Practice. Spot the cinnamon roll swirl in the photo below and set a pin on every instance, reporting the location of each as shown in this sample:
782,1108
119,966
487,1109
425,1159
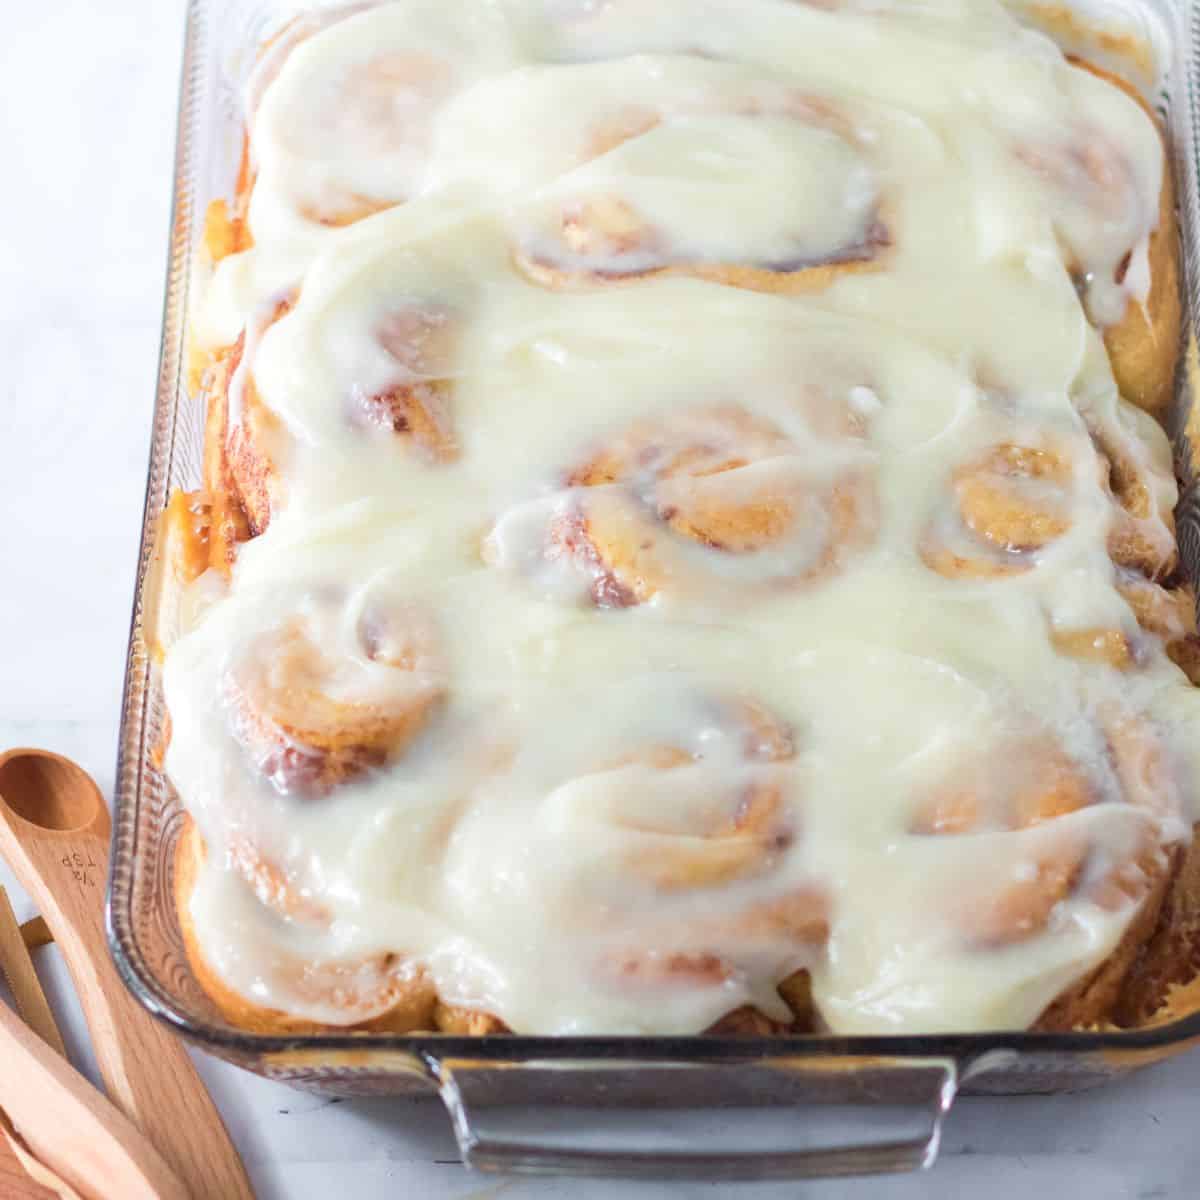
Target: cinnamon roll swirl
706,501
381,993
1038,786
1013,503
702,820
632,213
412,345
315,704
1087,838
344,134
682,845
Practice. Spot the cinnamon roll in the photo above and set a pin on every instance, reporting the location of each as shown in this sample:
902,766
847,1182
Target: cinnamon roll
625,164
1028,787
316,700
703,821
1121,245
1143,344
242,442
1142,546
323,696
709,500
1013,503
1039,785
739,836
639,208
412,345
698,869
226,229
314,703
380,993
343,107
1009,503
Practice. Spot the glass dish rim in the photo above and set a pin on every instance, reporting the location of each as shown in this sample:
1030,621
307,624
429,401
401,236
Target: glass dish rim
133,755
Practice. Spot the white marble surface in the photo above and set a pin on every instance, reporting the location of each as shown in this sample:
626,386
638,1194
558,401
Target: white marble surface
87,96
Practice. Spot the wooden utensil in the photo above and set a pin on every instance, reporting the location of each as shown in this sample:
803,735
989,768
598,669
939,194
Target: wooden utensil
35,932
69,1130
16,966
15,1181
54,832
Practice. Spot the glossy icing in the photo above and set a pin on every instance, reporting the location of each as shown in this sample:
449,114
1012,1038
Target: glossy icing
711,306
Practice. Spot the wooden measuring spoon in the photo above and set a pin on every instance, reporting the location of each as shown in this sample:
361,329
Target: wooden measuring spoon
72,1133
54,832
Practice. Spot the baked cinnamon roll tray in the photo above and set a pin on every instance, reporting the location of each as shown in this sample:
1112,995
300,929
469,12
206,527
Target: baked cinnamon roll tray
663,575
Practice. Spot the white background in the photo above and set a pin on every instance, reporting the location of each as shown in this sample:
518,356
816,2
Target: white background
87,98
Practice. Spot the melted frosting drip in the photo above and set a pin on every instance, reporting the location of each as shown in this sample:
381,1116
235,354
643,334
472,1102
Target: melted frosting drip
630,687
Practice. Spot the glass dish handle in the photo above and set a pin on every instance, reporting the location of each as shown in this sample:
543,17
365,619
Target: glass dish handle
772,1117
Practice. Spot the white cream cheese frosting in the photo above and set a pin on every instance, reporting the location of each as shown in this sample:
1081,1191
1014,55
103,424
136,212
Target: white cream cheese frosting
632,800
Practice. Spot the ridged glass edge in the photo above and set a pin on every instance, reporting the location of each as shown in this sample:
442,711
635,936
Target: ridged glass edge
133,752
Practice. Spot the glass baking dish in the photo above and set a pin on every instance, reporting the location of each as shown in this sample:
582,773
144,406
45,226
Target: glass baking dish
795,1106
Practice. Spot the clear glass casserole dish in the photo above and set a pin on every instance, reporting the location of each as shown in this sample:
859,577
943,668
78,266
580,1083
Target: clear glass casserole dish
868,1103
